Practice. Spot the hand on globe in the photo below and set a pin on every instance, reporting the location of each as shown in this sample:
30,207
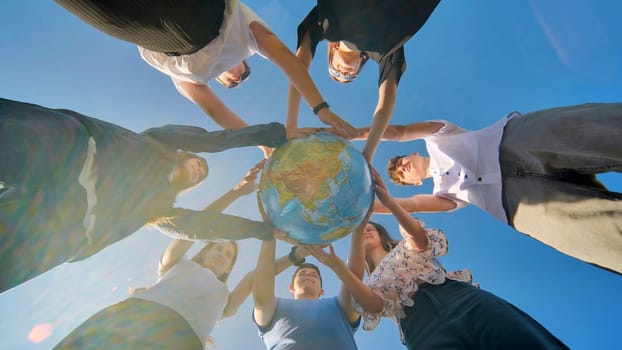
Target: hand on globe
381,188
295,133
317,189
249,183
342,128
283,236
331,260
267,151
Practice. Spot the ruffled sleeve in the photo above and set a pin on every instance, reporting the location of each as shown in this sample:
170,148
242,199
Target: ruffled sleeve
436,238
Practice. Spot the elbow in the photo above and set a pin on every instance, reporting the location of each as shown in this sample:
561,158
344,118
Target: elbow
375,308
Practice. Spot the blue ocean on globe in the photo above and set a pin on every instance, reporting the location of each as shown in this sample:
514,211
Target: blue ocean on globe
317,189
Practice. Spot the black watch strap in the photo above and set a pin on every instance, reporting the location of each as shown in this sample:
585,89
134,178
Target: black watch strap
292,257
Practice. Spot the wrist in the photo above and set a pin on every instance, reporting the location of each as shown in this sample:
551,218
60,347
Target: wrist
292,257
321,106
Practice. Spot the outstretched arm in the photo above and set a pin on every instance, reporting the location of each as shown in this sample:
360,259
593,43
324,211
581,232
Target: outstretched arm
402,133
356,264
178,247
203,96
415,232
421,203
305,56
263,284
247,185
382,114
297,74
245,286
359,291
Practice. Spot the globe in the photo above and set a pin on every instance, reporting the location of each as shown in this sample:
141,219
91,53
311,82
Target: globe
316,189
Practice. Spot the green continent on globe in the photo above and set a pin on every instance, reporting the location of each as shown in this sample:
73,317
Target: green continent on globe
304,175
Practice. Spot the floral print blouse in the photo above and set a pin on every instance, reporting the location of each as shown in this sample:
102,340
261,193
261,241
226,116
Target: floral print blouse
396,278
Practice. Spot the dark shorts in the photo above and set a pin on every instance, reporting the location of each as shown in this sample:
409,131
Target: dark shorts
168,26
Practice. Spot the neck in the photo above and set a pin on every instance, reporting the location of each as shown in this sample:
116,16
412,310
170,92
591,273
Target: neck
376,255
306,296
426,163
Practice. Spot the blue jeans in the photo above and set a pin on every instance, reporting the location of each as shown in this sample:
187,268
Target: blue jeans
548,162
456,315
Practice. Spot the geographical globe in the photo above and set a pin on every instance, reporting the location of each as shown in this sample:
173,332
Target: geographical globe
317,188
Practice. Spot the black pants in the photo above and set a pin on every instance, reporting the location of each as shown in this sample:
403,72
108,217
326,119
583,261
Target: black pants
173,27
133,324
457,315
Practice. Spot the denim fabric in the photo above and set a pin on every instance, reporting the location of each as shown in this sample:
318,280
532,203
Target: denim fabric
549,159
457,315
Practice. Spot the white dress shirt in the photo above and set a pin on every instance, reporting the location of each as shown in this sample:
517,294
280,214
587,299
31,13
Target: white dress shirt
465,165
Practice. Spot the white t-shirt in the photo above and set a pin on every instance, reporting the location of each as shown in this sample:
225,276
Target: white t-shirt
465,165
235,43
194,292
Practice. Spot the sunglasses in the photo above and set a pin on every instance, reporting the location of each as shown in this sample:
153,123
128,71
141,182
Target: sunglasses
348,77
343,76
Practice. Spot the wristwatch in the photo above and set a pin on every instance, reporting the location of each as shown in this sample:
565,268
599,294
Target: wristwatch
292,257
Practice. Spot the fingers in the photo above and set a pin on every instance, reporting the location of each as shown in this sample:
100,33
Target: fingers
284,236
267,152
340,126
318,253
257,167
332,250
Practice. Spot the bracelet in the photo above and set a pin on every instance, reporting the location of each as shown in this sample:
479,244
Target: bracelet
320,107
292,257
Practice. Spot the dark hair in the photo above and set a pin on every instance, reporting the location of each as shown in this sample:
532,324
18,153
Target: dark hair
180,158
223,277
331,48
386,241
162,202
392,169
308,266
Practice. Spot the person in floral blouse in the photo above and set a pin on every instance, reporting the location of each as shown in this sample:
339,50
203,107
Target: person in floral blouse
435,309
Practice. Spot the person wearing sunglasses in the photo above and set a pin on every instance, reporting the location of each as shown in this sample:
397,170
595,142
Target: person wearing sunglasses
194,42
357,31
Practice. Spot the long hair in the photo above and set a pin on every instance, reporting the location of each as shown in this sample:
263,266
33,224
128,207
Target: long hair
386,241
223,278
168,195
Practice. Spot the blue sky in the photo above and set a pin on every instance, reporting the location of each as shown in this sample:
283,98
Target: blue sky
472,63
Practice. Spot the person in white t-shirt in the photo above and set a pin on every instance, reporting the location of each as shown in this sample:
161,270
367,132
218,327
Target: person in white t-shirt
535,172
194,42
181,309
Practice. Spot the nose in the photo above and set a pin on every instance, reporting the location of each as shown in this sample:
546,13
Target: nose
345,69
